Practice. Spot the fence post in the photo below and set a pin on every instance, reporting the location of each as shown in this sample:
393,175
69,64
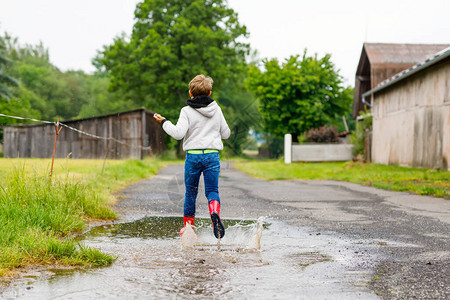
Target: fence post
287,148
367,145
57,131
106,155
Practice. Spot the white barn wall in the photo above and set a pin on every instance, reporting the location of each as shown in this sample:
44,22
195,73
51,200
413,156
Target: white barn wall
411,120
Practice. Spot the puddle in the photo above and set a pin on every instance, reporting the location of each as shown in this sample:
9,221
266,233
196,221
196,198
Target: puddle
293,262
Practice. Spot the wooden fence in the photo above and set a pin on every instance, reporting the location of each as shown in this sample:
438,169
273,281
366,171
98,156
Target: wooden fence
130,134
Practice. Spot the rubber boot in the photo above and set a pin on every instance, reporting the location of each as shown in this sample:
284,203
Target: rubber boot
187,220
214,211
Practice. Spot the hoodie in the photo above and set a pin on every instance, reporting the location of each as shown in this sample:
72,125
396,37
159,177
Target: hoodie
201,124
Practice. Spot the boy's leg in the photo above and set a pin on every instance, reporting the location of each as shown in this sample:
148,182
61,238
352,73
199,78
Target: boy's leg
192,171
211,176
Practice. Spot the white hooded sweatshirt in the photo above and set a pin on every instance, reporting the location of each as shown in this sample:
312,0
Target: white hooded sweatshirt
201,128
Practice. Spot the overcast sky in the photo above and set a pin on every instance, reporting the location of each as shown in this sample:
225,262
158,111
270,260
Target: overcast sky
74,30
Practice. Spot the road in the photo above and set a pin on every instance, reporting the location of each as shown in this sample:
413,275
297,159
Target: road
325,240
411,233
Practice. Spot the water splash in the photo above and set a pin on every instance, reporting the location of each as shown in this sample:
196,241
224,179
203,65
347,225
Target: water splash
188,238
255,241
241,236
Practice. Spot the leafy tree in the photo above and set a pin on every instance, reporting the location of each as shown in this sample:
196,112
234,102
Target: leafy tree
338,122
53,93
44,92
100,100
6,81
299,94
240,108
9,104
42,82
19,105
172,41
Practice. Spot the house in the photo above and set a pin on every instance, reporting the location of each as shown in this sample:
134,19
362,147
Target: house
411,115
380,61
128,134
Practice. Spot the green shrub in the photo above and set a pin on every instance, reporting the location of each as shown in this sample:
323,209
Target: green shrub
358,137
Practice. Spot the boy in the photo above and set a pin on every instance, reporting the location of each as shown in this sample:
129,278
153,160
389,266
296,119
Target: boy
203,126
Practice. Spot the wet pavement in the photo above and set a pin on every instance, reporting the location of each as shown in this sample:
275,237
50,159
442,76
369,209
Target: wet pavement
321,240
153,264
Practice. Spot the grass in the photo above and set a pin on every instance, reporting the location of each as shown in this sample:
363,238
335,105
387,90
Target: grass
39,218
420,181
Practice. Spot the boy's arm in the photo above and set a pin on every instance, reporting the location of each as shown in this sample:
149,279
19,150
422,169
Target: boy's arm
224,129
177,131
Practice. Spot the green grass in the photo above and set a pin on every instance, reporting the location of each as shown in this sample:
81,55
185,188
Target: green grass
39,218
420,181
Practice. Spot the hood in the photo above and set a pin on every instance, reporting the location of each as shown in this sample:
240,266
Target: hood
209,110
204,105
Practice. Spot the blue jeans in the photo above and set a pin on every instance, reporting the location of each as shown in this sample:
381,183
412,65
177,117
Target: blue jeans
195,164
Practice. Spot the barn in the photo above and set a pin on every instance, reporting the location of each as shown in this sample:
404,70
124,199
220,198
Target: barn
380,61
129,134
411,115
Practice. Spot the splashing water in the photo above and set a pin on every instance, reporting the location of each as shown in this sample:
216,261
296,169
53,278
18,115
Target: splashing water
239,236
188,238
255,241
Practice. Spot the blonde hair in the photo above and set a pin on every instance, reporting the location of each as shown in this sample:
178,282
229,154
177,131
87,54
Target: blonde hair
201,85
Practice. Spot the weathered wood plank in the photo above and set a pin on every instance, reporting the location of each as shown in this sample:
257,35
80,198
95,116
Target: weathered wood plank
128,127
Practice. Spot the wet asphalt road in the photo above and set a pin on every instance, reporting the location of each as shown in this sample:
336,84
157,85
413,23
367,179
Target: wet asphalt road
400,245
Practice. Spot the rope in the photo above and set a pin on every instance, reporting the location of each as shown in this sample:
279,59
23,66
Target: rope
77,130
29,119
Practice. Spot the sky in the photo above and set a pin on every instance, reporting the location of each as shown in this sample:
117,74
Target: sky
74,30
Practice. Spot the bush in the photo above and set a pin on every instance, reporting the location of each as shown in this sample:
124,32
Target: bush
358,137
323,134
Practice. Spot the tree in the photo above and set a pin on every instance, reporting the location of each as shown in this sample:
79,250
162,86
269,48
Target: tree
100,100
347,95
172,41
42,83
240,108
45,92
10,105
6,81
43,86
299,94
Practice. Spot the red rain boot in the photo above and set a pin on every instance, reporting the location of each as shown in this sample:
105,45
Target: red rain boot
214,211
187,220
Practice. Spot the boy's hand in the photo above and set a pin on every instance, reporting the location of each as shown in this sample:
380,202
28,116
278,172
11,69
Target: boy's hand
158,118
